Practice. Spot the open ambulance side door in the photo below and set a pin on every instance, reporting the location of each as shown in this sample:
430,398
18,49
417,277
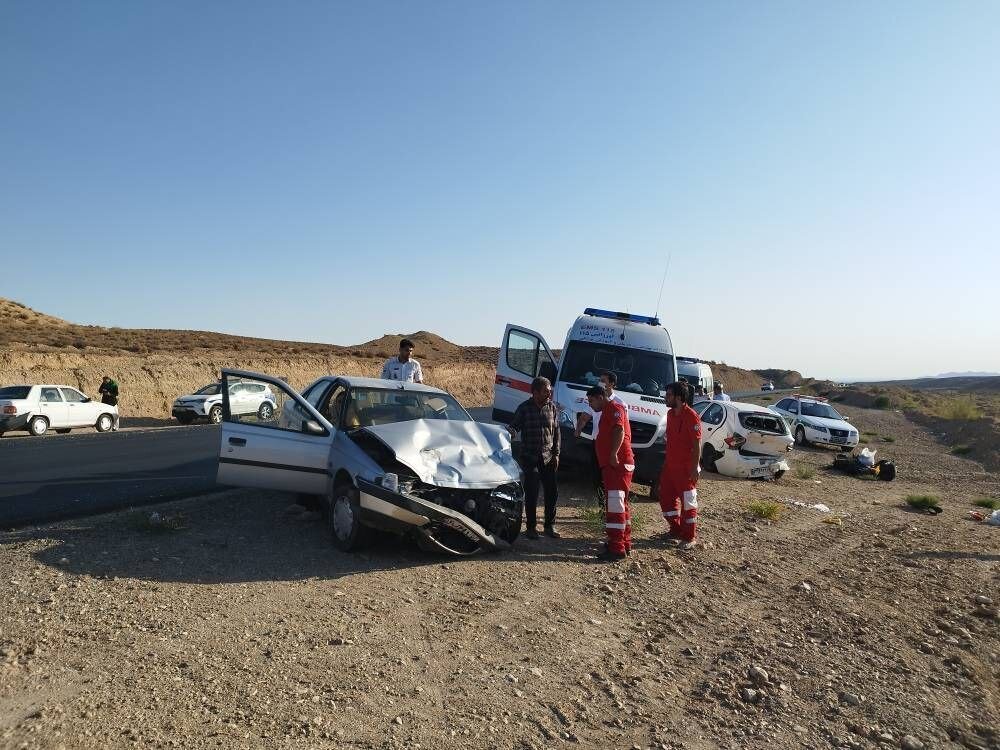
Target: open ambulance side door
524,355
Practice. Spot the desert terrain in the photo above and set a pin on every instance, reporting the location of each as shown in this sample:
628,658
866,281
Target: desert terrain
229,620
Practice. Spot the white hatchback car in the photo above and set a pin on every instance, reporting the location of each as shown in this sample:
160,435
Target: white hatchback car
813,420
39,408
743,440
244,399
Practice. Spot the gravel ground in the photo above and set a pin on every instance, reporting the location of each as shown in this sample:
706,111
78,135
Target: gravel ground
243,628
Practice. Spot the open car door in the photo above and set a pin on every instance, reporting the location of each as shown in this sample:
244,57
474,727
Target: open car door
286,447
524,355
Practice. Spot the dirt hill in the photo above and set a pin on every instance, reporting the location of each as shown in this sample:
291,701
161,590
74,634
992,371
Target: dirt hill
154,366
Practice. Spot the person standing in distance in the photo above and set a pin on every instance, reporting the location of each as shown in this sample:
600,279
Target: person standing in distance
109,396
613,443
403,367
718,395
537,419
678,484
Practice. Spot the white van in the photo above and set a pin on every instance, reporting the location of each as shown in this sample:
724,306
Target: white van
695,372
634,347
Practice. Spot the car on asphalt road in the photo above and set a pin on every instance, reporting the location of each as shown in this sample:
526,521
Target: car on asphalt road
206,402
768,386
743,440
813,421
39,408
379,454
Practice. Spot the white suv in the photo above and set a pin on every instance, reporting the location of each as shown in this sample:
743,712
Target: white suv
38,408
244,398
813,420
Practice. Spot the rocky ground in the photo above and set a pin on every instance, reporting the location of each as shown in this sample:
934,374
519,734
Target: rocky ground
239,626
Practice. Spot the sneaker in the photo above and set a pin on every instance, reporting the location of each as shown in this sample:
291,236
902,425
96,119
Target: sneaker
550,531
531,534
609,556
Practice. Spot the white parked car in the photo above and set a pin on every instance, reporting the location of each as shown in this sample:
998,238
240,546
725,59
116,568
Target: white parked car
814,421
743,440
39,408
244,398
767,385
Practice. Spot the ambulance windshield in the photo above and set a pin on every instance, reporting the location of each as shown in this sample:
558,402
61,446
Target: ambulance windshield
646,373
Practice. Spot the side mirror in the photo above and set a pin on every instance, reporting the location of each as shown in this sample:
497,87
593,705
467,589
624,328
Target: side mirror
86,399
312,427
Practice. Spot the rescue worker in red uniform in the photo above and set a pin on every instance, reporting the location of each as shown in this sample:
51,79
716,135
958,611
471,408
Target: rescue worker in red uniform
679,476
613,444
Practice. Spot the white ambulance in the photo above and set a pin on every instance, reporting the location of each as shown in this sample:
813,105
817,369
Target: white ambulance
695,372
636,348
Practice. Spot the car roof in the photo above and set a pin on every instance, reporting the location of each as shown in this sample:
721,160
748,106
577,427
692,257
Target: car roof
396,385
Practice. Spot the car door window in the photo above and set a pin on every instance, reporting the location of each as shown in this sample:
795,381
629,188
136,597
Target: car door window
275,409
73,396
714,415
50,396
522,353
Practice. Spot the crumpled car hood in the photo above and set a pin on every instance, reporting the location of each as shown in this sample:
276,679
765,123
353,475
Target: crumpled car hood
452,454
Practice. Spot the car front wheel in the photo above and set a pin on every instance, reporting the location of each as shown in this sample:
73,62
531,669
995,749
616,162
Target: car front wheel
215,415
265,412
800,436
38,426
104,423
344,519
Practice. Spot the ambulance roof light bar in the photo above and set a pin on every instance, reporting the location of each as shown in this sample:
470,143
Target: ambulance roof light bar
622,316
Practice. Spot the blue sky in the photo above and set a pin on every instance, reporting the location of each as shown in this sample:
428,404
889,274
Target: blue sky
825,177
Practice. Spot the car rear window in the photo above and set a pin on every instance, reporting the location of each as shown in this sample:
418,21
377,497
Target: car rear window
763,422
15,391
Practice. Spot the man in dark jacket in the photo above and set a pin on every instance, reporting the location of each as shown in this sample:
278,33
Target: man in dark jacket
109,395
537,419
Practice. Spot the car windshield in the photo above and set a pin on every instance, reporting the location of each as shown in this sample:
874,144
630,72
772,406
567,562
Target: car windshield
15,391
370,407
208,390
823,411
638,371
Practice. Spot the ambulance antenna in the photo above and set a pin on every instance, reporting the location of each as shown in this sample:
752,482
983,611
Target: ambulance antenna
662,284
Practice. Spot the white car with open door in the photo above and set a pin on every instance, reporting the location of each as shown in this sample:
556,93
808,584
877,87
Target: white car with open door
814,421
743,440
380,454
636,348
40,408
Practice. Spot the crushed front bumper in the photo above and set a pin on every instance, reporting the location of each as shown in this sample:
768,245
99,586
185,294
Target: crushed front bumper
435,526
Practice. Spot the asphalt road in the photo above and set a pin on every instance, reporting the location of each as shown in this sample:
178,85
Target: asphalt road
62,476
71,475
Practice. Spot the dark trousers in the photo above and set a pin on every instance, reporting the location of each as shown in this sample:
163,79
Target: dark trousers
538,474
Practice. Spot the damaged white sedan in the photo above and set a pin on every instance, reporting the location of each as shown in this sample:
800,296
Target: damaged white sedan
743,440
380,454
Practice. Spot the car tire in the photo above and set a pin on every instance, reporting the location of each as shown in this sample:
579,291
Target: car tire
215,415
38,426
800,436
104,423
779,474
344,519
708,459
63,431
265,413
185,420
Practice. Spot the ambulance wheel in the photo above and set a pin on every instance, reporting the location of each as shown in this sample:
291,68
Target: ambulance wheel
708,459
